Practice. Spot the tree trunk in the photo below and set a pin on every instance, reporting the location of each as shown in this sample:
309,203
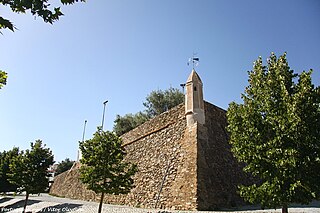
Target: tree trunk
284,208
101,201
25,203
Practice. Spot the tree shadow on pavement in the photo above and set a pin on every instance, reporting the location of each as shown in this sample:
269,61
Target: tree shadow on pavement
61,208
20,204
313,204
5,199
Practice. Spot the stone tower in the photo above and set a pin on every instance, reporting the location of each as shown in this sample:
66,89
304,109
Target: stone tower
194,104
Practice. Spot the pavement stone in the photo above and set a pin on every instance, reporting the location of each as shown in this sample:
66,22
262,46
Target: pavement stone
50,204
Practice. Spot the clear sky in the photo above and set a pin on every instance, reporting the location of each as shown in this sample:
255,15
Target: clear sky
121,50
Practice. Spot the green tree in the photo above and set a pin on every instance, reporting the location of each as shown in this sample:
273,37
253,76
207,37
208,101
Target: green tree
63,166
40,8
159,101
5,160
276,133
29,170
103,169
123,124
3,78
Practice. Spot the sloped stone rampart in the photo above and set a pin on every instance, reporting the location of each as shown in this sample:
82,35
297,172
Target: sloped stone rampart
180,167
154,125
68,184
219,173
165,154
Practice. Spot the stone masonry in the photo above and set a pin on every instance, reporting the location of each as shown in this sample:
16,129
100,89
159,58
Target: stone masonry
185,167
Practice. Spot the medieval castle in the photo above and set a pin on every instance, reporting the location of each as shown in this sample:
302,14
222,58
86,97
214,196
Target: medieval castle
183,157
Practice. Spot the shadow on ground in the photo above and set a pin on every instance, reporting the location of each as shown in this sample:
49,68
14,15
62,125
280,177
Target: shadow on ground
313,204
20,204
65,207
5,199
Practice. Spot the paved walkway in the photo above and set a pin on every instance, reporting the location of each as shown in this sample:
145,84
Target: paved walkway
49,204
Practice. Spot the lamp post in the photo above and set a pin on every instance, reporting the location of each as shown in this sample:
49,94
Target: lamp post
182,86
84,131
104,109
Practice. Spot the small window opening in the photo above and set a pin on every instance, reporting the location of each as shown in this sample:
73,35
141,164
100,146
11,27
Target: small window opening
195,88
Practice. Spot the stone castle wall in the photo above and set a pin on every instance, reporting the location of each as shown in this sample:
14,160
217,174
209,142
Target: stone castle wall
180,167
165,154
219,173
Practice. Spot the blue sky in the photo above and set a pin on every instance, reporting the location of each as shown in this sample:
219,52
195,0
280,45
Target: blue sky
121,50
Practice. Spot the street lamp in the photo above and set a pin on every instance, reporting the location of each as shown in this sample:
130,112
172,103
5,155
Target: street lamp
182,86
104,109
84,131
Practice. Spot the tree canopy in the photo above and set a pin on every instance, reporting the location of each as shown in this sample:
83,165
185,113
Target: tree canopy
128,122
276,133
157,102
29,169
103,169
6,158
63,166
3,78
40,8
